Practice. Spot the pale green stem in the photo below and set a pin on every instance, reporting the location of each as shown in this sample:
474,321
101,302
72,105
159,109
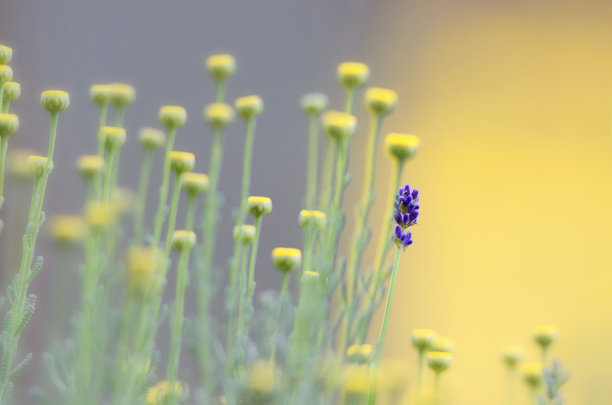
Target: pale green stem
420,367
119,114
220,93
163,190
510,386
242,282
103,108
327,175
176,193
143,185
385,324
3,149
544,355
308,246
349,104
2,93
108,173
437,387
190,212
281,299
533,395
313,162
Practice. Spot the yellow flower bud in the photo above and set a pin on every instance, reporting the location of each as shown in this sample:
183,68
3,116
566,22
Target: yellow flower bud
317,219
151,138
353,74
114,137
183,240
443,344
218,115
37,165
261,376
123,200
356,379
100,93
67,229
244,234
422,339
160,392
90,166
249,106
512,355
143,264
361,354
339,125
9,124
122,94
402,146
17,163
194,183
286,259
532,374
181,162
172,116
314,103
310,275
545,335
258,206
54,101
100,214
6,54
439,361
380,101
6,73
12,91
221,66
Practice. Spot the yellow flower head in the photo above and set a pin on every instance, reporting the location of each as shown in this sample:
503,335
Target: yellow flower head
99,214
360,353
262,376
37,165
339,125
402,146
172,116
545,335
122,94
353,74
67,229
194,183
54,101
314,103
221,66
310,276
443,344
249,106
143,264
244,234
6,54
380,101
17,163
356,379
439,361
160,392
286,259
422,339
123,200
100,93
219,115
6,73
9,124
512,355
114,137
181,162
258,206
151,138
183,240
12,91
90,166
532,374
313,218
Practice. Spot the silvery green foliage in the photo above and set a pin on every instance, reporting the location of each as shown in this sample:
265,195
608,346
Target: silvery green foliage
554,377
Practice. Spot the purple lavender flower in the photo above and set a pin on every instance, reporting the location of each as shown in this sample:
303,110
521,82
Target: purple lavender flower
401,238
406,212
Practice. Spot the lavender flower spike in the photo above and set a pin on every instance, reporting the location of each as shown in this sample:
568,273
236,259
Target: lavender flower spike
406,212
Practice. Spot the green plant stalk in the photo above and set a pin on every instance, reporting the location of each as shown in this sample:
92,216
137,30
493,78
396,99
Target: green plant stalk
163,190
182,278
119,115
281,299
176,193
143,186
16,322
437,393
313,162
420,367
103,108
2,102
190,212
220,93
308,246
544,355
3,149
108,173
510,386
242,289
533,396
349,104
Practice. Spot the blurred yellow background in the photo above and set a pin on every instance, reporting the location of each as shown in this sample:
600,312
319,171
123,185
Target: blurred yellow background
512,103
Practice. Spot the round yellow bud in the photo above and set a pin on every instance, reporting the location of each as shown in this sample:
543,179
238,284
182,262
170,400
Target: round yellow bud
9,124
262,376
244,234
100,93
151,138
439,361
100,214
122,94
161,392
54,101
360,353
172,116
17,163
258,206
356,379
218,115
314,103
249,106
6,54
183,240
67,229
380,101
353,74
532,374
286,259
123,200
37,165
422,339
316,219
12,91
310,275
339,125
443,344
194,183
6,74
142,265
90,166
545,335
181,162
114,137
402,146
221,66
512,355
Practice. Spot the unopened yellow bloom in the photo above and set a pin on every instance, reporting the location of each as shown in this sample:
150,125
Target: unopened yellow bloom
443,344
532,374
181,162
12,91
90,166
54,100
512,355
356,379
100,93
422,339
353,74
218,115
439,361
172,116
160,392
244,234
286,259
122,94
143,263
360,353
183,240
544,335
261,376
37,165
221,66
339,125
99,214
6,54
6,73
258,206
114,137
402,146
194,183
9,124
312,218
380,101
151,138
249,106
67,229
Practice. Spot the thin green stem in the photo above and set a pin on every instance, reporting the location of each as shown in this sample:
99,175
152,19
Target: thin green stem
119,114
385,324
327,188
108,173
101,122
349,104
163,190
281,300
143,186
420,367
176,193
190,212
313,162
510,386
437,386
2,93
3,149
220,93
308,246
